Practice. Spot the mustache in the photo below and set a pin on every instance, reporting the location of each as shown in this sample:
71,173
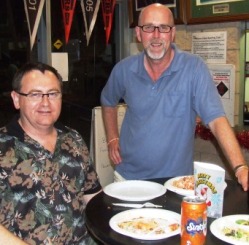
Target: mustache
157,41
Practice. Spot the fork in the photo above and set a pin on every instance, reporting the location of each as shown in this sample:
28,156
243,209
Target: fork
136,205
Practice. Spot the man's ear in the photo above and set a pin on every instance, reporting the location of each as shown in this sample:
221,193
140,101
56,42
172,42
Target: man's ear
138,35
15,97
173,34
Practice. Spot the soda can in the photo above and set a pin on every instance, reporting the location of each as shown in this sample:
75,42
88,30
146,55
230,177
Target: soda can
193,220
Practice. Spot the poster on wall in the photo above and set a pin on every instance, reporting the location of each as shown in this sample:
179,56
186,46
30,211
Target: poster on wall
140,4
224,79
213,11
176,6
211,46
203,2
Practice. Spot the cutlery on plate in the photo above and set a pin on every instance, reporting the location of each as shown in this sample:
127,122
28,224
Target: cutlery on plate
136,205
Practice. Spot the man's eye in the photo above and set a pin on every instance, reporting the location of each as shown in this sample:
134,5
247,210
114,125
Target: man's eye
149,27
53,94
35,95
164,27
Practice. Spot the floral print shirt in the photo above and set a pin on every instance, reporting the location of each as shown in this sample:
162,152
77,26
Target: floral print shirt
41,193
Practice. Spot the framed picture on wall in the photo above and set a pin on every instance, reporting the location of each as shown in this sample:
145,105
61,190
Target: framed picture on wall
135,7
208,11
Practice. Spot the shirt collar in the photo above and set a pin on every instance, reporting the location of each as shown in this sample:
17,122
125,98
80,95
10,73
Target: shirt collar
14,129
174,66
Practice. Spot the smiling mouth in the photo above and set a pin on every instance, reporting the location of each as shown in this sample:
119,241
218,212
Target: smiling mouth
156,45
44,112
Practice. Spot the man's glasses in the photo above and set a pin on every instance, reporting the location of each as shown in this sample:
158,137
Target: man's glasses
161,28
38,96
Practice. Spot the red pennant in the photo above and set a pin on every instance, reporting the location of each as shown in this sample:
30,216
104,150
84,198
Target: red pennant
67,7
33,10
108,9
90,10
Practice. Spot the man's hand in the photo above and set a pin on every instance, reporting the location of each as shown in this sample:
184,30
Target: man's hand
114,151
242,176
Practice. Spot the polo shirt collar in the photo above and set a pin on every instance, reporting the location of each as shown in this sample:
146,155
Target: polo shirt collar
174,66
14,129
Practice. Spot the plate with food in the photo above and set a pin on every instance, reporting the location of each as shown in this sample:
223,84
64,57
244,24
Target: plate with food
233,229
134,190
182,185
146,223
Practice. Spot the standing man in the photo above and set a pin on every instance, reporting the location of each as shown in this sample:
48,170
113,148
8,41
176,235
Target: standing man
164,89
46,175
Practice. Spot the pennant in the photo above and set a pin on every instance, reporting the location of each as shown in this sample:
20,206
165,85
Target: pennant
67,7
90,10
108,10
33,10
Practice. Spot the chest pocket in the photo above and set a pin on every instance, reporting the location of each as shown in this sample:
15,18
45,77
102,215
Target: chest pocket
174,104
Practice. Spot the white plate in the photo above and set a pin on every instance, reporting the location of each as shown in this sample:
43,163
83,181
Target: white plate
134,190
230,222
163,217
169,185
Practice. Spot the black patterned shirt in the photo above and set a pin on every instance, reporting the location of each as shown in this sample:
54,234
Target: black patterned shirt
41,193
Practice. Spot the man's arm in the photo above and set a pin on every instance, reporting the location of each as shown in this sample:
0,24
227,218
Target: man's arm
226,138
6,237
110,122
112,134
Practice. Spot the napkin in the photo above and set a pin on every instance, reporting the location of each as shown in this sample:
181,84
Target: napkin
210,184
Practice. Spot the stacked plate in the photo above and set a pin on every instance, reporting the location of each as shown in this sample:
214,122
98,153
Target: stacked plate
135,190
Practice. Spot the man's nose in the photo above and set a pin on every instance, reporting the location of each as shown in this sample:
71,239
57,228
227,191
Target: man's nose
156,31
45,98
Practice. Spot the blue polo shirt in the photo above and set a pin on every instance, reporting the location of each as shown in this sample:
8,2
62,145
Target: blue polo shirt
157,134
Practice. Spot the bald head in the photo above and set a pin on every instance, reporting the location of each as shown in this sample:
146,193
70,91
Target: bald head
155,11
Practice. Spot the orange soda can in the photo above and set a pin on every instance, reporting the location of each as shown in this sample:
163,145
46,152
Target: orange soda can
193,221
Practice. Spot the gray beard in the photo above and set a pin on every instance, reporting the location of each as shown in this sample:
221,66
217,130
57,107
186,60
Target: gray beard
153,56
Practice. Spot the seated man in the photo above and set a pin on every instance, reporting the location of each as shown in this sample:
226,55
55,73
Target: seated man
46,175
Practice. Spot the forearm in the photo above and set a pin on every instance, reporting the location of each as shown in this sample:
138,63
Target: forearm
231,148
227,141
112,133
6,237
110,121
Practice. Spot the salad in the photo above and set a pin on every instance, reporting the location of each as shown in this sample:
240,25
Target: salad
238,233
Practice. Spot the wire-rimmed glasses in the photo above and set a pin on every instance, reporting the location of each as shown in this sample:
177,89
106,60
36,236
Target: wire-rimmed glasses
38,96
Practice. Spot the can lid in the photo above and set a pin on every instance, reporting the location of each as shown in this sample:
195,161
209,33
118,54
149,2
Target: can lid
194,199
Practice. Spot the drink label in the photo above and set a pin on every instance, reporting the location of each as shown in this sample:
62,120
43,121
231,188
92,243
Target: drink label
194,227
